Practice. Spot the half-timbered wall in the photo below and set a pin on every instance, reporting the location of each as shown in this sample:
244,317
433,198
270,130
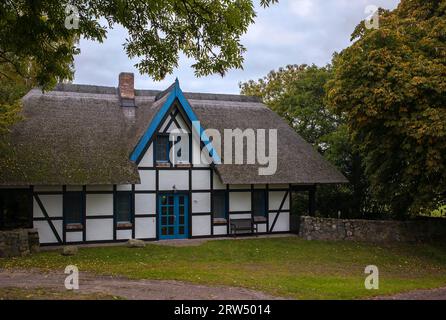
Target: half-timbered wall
199,182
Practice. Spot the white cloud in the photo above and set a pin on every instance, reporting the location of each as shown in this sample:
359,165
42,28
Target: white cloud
301,8
290,32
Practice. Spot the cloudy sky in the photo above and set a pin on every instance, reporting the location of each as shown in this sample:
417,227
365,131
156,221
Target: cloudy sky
290,32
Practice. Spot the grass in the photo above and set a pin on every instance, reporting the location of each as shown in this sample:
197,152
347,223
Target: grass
50,294
288,267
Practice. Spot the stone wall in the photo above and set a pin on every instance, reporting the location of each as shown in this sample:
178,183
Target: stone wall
314,228
18,242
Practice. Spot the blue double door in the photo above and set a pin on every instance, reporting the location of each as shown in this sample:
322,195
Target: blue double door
173,212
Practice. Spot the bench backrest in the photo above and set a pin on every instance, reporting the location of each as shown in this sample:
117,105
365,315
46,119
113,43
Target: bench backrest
243,223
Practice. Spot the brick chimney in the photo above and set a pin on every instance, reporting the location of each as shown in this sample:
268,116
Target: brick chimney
126,90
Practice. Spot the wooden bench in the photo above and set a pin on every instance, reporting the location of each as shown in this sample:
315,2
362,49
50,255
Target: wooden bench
242,225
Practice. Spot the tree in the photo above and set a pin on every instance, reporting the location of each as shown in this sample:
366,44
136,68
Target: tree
38,39
297,93
389,85
45,31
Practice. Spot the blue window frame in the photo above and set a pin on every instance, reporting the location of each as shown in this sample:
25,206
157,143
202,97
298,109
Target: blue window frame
73,203
162,148
219,204
259,208
123,208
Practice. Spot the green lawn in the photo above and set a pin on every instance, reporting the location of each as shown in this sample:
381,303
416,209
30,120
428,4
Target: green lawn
288,267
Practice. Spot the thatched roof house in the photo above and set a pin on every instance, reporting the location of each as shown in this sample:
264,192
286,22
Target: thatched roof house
82,135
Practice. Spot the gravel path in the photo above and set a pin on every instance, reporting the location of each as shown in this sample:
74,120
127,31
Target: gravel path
125,288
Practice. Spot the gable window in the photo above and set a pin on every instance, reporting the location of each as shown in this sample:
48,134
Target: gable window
124,209
73,210
162,148
259,208
219,206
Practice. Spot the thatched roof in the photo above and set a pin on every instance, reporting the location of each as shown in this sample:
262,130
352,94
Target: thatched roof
78,134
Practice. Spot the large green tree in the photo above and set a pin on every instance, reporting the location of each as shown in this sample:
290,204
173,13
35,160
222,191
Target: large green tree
39,39
390,86
207,31
298,94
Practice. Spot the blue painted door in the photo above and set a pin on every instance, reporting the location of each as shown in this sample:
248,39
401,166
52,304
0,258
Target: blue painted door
173,216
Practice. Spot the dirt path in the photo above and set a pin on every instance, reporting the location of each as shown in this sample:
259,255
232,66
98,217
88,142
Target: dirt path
125,288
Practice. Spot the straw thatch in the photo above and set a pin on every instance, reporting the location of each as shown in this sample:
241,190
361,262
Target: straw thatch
78,134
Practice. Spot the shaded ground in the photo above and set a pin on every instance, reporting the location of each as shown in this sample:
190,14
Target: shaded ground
51,285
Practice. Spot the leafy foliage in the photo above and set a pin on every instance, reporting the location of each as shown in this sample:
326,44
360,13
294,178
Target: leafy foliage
207,31
12,88
37,47
390,87
297,93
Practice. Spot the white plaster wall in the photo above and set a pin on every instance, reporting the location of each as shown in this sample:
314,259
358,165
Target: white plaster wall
196,156
148,180
201,202
74,236
261,227
283,222
240,216
165,123
46,235
147,159
99,188
275,199
259,186
220,230
218,185
123,234
201,225
145,228
169,178
145,203
201,180
239,201
172,127
53,205
99,204
99,229
181,122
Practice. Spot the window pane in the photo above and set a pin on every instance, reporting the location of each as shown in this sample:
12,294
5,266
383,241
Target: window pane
162,148
259,203
73,207
219,204
123,207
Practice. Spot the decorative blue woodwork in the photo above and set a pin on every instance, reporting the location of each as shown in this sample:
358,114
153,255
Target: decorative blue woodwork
175,93
173,216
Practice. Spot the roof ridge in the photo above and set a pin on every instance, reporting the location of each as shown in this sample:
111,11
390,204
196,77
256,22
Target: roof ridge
88,88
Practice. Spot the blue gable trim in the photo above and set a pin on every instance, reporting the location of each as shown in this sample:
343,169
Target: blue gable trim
175,93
